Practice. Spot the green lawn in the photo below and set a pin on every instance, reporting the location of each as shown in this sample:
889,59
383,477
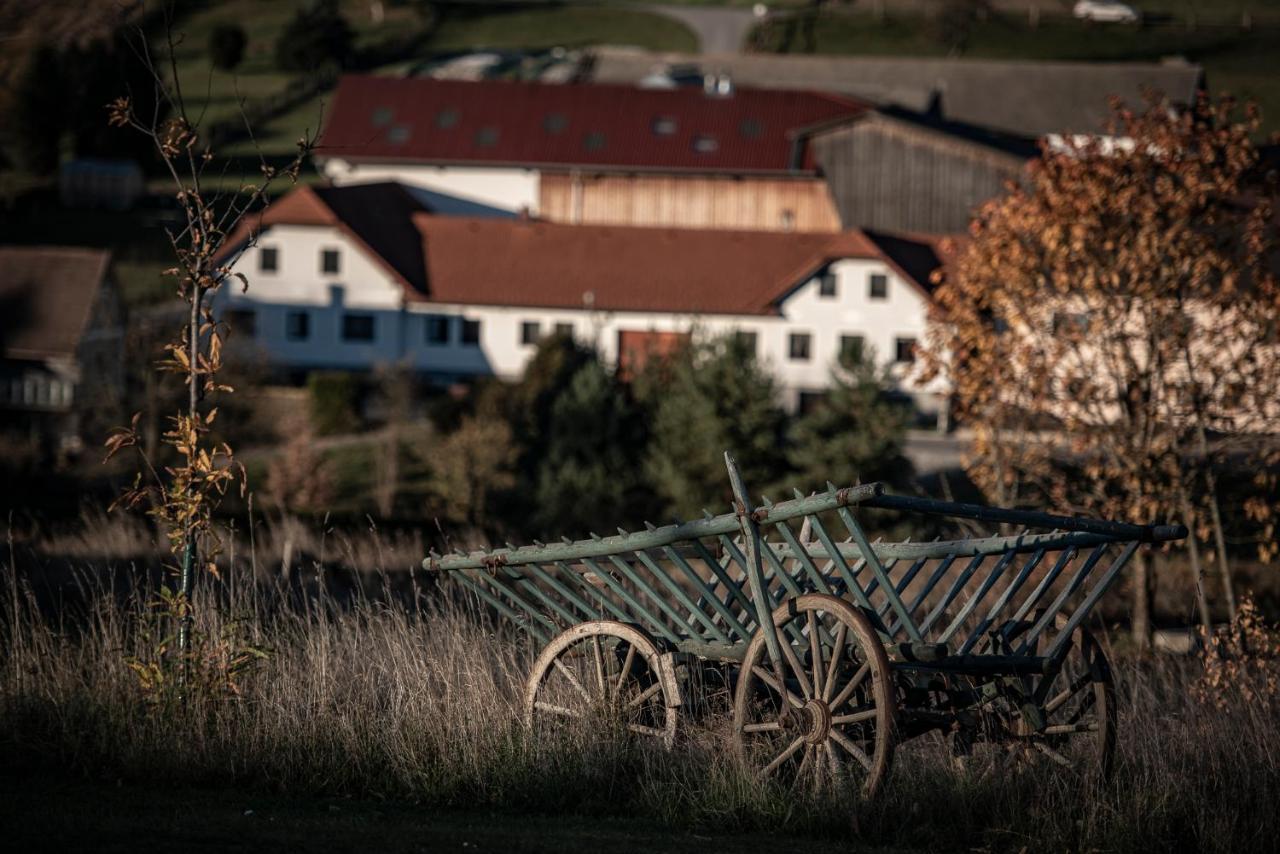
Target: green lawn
567,26
1244,63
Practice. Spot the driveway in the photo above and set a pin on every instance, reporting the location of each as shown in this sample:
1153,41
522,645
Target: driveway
718,30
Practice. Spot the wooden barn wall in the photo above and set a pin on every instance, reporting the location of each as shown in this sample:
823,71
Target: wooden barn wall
887,177
770,204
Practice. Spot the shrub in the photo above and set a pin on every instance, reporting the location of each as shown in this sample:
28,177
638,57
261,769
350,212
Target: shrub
317,35
333,402
226,46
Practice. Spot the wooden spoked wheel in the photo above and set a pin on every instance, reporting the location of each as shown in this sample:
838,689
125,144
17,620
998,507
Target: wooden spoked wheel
603,674
830,724
1079,710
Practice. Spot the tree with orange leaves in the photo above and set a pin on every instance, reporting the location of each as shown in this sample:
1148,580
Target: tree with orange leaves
1110,329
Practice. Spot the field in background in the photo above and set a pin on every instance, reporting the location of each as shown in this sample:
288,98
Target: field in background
1245,63
383,688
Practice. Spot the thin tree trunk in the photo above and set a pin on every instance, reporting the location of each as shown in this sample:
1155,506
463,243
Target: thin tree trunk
1197,569
1142,596
1220,541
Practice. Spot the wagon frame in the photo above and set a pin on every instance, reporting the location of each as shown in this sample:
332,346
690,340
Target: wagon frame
836,649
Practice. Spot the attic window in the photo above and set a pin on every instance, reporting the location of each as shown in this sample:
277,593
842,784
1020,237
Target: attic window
398,134
554,122
705,144
751,128
487,137
664,125
593,141
382,117
446,118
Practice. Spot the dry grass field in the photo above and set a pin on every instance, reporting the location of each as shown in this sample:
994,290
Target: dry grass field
387,712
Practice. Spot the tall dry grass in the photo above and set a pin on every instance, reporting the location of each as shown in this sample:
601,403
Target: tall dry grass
409,692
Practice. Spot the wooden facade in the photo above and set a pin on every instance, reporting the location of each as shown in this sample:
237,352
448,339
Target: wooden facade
887,173
696,201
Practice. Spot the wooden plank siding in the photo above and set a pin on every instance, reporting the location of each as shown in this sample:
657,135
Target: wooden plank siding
700,201
889,174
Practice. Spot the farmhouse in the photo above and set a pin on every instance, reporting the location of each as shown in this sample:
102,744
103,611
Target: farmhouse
61,338
349,277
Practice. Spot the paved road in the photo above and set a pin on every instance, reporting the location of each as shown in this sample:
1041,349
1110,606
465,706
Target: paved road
718,30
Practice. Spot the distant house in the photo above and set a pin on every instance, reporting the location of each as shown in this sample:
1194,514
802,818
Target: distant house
716,157
340,284
61,339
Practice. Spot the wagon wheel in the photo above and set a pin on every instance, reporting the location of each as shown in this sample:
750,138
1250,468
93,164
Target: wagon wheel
603,673
838,697
1079,709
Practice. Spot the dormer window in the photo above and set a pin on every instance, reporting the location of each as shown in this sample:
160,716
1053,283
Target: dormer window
664,126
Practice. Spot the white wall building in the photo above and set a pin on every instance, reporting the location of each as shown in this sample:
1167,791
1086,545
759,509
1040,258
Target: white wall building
350,277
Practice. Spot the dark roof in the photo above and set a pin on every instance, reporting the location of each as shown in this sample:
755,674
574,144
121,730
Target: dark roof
379,215
1023,98
500,122
46,298
916,256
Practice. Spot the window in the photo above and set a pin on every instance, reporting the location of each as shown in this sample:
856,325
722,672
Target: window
470,332
297,326
827,284
357,327
798,346
564,330
904,350
446,118
879,286
330,261
664,125
747,342
530,332
705,143
268,259
242,321
438,328
809,401
851,348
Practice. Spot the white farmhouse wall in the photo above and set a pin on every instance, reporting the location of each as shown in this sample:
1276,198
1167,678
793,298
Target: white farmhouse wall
507,188
401,334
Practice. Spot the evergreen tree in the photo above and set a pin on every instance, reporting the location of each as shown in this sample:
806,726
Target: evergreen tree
226,46
855,434
712,397
586,472
38,116
317,35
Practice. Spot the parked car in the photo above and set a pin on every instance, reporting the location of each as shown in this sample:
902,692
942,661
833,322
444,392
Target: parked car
1106,11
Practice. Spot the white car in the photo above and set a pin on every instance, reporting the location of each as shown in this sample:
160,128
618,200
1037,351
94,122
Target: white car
1106,11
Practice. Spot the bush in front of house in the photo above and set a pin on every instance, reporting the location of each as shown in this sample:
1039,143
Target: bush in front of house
333,402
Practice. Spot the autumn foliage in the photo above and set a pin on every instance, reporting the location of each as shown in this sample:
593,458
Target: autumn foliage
1110,327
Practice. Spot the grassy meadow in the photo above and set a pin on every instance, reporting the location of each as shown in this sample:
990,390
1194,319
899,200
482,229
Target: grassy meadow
356,701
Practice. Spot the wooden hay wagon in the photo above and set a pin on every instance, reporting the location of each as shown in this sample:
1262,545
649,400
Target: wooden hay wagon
836,648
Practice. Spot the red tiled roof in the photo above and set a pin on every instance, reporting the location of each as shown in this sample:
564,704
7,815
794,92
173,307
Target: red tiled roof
622,268
499,122
46,298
